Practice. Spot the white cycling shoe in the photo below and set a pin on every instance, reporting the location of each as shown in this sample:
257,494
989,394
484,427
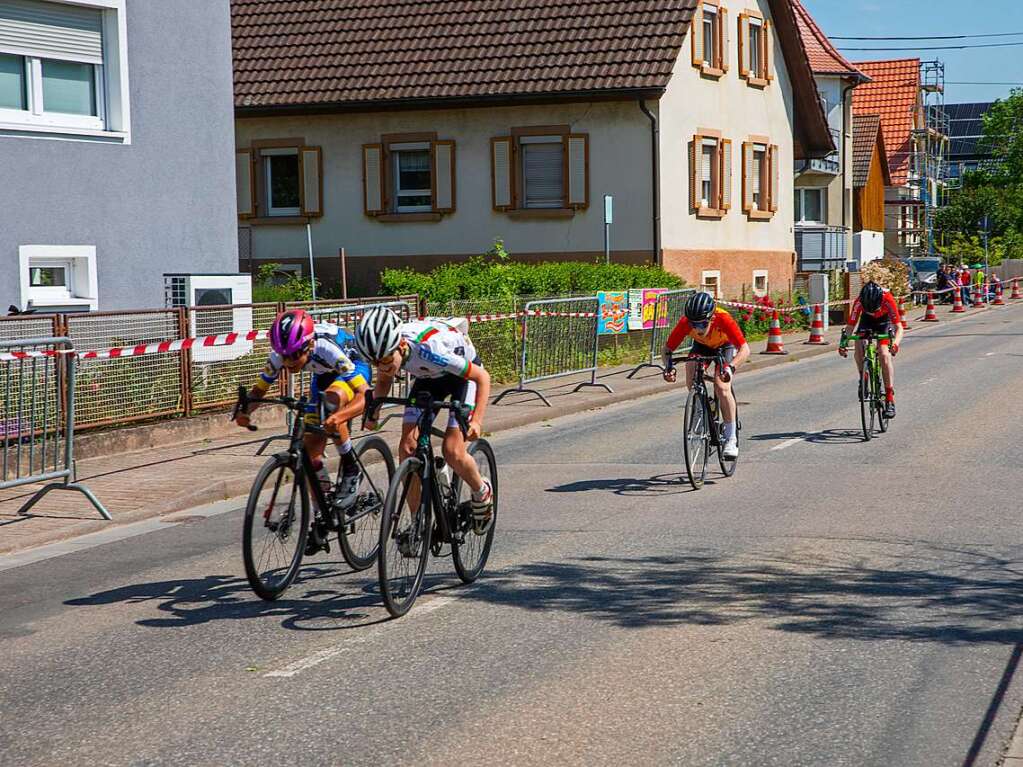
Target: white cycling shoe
347,490
731,450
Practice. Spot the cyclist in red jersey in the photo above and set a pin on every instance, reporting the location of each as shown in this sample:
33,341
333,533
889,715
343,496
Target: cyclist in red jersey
713,330
877,311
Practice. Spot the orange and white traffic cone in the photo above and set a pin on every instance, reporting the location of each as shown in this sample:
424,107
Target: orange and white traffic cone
775,345
931,315
817,328
1015,289
978,301
999,301
957,301
902,313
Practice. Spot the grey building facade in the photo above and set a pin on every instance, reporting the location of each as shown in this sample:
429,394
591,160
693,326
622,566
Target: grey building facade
116,150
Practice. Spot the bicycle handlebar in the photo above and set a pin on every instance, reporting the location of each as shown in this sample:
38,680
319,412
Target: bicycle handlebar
458,409
298,405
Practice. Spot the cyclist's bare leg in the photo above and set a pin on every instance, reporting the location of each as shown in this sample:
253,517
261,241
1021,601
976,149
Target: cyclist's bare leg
887,367
726,400
690,374
459,460
858,354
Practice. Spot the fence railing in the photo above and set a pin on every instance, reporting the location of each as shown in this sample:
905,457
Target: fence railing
559,338
37,418
667,312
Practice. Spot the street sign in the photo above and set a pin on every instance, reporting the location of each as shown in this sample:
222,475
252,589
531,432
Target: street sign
609,201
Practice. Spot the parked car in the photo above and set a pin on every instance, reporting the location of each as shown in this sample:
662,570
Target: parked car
923,272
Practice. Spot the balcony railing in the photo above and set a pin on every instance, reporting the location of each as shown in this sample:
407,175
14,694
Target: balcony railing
821,248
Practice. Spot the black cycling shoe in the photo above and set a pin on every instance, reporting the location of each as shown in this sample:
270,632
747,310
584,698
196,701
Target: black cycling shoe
889,410
317,541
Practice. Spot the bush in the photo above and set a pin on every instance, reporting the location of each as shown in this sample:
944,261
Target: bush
494,275
273,286
887,273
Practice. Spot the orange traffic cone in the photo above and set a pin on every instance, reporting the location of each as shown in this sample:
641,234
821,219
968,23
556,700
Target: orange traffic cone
978,301
1015,289
957,301
902,313
999,301
931,315
817,328
775,345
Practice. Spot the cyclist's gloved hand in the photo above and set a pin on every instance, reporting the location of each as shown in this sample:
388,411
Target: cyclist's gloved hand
669,367
894,348
726,372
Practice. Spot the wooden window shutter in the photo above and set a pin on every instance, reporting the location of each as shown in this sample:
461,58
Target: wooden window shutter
774,190
696,32
723,34
743,45
311,173
443,153
244,183
768,57
501,171
747,177
725,175
373,179
694,176
577,181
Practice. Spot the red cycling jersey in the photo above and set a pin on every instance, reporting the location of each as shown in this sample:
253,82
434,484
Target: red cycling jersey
722,331
888,307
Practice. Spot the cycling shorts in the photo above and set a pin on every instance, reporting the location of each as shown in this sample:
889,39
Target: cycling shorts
879,326
344,385
727,351
441,388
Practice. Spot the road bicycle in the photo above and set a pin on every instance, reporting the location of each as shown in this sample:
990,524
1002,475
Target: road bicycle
427,506
871,390
702,423
277,514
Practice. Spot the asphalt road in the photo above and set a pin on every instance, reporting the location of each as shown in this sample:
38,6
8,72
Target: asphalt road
835,603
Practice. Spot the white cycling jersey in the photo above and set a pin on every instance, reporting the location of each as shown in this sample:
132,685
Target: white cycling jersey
437,349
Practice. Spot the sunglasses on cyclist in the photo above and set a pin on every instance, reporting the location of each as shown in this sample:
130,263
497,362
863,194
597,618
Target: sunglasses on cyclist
700,325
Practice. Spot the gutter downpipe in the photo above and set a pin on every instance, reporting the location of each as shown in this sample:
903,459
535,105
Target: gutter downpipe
655,150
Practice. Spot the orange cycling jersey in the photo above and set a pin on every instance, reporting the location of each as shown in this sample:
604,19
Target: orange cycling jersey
722,331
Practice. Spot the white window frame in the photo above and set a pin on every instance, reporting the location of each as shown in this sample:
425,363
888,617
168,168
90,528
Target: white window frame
82,288
526,140
714,274
757,275
112,121
291,151
715,163
757,192
710,15
801,207
755,64
396,150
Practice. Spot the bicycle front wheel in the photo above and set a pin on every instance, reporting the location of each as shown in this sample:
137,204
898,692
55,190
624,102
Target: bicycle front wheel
866,403
696,437
359,531
405,528
880,400
471,549
276,526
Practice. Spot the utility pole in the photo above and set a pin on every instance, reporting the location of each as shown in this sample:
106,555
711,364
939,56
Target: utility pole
985,224
608,220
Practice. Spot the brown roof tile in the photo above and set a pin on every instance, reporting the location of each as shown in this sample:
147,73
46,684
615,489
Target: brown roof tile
893,95
865,133
824,58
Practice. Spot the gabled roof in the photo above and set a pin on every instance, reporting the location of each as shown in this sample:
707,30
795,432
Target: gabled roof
315,52
824,58
347,55
866,139
893,94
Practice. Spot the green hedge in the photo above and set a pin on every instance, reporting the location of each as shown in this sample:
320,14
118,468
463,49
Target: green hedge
493,275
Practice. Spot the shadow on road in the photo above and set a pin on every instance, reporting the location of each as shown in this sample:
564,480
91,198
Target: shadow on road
661,484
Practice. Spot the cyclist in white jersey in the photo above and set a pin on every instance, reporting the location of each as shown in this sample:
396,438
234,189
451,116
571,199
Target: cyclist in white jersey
443,361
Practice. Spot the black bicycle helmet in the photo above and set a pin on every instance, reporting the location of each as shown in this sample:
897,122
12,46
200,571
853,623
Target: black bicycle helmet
700,307
871,296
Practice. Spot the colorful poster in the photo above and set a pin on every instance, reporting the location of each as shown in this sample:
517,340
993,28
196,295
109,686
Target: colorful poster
651,299
612,313
636,309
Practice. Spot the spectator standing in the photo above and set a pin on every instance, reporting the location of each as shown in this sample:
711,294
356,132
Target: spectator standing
964,283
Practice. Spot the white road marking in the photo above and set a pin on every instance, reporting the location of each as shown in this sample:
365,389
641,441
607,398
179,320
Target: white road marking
308,662
990,354
791,442
928,381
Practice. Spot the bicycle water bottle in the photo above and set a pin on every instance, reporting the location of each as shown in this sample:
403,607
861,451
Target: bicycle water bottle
443,475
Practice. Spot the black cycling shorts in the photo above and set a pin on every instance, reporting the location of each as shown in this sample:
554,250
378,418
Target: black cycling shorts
879,326
442,388
727,351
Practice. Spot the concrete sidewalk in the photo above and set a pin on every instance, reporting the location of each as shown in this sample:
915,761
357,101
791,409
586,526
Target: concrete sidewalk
160,480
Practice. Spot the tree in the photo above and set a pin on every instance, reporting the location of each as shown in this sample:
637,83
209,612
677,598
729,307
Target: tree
1003,138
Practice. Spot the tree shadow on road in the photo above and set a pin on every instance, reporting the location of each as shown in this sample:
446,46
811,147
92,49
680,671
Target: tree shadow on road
317,601
920,594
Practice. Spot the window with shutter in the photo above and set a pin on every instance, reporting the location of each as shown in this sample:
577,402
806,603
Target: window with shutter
411,179
708,155
775,178
373,179
694,186
708,173
696,32
501,172
747,177
723,35
726,175
768,58
444,176
311,165
744,57
542,171
282,182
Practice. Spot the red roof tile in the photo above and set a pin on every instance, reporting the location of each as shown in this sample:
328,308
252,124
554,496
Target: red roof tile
894,95
824,58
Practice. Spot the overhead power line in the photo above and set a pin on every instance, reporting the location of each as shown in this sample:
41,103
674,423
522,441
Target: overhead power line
935,47
934,37
974,82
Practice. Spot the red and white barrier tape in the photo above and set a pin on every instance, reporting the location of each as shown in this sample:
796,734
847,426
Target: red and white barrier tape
783,309
164,347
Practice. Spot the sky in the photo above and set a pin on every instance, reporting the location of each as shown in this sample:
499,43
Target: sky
891,18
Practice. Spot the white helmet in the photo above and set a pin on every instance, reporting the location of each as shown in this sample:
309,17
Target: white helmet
377,334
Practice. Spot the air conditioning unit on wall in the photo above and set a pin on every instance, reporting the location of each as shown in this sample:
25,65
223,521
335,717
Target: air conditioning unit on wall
217,304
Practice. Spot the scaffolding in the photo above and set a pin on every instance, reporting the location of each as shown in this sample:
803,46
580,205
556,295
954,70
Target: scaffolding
928,169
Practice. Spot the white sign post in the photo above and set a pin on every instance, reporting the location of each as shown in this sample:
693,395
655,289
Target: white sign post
608,220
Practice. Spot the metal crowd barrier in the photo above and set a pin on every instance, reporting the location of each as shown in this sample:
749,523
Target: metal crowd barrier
667,312
37,419
559,338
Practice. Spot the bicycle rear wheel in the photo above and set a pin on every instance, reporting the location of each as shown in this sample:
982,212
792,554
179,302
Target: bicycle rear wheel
470,555
276,526
866,402
696,437
404,539
359,531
